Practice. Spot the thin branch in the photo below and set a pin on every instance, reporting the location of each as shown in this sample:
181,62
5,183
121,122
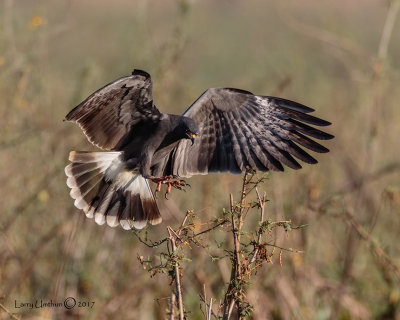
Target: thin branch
261,202
173,302
205,297
209,310
188,213
374,246
236,242
149,244
387,29
229,301
231,295
8,312
211,228
177,275
284,249
231,308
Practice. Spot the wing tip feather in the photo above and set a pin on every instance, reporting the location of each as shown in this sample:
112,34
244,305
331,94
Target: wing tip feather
139,72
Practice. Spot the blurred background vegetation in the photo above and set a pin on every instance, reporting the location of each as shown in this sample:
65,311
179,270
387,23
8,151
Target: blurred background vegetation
340,57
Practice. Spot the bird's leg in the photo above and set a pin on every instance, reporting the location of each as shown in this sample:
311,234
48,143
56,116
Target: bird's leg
170,181
177,184
160,181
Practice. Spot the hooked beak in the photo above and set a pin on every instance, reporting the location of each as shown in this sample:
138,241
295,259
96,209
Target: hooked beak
192,137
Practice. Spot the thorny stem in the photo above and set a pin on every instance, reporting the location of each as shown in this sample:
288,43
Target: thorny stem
236,241
211,228
236,274
243,264
172,239
261,202
150,244
172,313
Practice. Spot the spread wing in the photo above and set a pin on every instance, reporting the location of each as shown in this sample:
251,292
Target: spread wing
239,130
108,115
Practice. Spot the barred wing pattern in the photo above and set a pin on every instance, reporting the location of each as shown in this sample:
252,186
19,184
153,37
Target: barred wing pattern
239,130
108,115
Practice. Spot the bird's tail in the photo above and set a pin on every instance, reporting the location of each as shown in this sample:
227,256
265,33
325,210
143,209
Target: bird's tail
105,190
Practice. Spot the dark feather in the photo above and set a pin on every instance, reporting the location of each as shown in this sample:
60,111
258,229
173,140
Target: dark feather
283,103
109,115
239,130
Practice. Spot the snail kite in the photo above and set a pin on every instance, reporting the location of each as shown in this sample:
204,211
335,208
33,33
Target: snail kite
224,130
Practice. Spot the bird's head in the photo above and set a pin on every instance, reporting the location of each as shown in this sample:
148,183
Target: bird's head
191,129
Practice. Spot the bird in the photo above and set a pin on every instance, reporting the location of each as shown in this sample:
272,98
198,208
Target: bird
224,130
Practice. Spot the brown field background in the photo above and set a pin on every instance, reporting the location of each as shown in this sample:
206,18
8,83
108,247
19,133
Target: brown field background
340,57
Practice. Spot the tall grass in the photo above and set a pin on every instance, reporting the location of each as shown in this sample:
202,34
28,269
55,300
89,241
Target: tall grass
339,57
